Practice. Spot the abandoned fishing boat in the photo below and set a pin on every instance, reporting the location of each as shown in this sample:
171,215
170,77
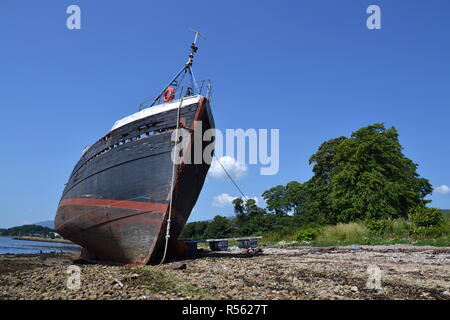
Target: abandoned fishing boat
128,198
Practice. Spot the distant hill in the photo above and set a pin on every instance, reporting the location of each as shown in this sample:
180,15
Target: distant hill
48,223
31,230
445,211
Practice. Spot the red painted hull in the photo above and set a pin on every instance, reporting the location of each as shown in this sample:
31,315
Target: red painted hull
112,230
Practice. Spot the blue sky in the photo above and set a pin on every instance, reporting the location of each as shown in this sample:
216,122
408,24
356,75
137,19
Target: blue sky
309,68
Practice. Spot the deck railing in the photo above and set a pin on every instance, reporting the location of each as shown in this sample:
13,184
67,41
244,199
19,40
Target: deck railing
202,87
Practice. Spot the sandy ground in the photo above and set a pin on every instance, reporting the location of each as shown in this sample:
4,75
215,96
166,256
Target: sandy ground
360,272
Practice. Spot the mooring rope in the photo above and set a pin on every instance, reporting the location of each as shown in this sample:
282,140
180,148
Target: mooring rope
231,179
172,185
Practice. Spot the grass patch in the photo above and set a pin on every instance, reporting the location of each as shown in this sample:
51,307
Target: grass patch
343,233
383,232
284,234
158,281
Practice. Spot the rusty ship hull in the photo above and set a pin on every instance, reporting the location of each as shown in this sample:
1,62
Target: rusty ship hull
116,202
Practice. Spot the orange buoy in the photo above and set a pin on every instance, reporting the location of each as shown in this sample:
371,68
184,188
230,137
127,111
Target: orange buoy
169,94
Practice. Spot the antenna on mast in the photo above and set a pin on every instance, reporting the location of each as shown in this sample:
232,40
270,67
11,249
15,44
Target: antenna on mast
196,34
194,47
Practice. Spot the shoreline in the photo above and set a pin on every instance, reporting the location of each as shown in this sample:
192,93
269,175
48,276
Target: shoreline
43,240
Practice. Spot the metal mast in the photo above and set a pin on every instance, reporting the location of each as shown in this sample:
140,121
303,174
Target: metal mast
187,69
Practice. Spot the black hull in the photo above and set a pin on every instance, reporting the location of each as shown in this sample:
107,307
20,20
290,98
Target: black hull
116,201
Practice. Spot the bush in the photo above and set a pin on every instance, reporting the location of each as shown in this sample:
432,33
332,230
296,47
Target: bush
433,232
399,229
377,227
308,234
424,217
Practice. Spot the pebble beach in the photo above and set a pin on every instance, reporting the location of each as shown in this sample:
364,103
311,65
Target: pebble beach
299,273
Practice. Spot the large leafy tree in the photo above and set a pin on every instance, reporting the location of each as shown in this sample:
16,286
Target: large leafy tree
371,177
365,176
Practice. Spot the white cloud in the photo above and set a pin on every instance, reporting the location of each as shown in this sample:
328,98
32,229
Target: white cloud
236,169
442,189
224,199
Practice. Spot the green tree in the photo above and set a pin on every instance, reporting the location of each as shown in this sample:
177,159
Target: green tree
372,179
296,196
194,230
362,177
219,227
318,189
238,204
277,200
251,208
284,200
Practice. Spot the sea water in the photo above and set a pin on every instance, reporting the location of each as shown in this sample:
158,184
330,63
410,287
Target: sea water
10,245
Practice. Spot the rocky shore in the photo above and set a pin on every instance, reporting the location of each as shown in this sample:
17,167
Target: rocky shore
405,271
